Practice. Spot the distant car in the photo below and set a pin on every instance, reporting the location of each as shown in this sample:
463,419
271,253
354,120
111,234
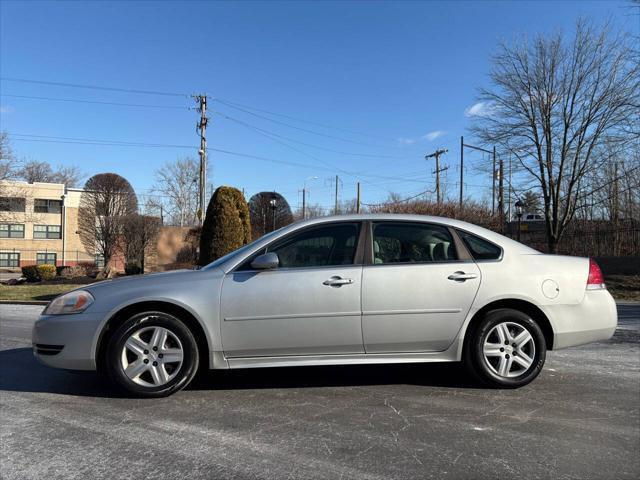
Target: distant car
356,289
532,217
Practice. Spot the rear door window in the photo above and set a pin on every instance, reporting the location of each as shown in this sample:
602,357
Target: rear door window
412,243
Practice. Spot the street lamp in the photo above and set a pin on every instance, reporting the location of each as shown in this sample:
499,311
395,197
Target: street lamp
519,208
274,204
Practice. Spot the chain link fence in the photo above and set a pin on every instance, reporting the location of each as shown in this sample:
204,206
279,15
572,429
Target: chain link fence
587,239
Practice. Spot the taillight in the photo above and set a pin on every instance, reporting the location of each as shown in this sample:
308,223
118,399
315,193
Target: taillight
595,280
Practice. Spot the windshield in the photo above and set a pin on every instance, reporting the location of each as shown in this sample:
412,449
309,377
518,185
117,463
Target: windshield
244,249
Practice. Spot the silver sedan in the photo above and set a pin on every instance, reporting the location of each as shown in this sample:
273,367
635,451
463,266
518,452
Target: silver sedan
363,289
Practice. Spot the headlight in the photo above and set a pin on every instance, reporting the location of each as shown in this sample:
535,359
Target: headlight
72,302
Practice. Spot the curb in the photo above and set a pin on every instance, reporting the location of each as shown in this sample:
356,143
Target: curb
23,302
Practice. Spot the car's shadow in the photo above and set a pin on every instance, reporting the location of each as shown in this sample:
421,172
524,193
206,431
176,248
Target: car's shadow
20,372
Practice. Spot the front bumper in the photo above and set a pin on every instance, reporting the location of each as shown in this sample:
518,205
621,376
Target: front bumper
594,319
77,335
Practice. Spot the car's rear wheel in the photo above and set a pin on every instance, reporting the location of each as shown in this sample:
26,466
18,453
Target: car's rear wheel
506,349
153,354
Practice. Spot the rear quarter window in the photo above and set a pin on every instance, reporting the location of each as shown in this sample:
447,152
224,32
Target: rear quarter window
479,248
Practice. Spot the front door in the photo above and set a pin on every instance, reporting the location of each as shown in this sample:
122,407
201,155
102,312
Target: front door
417,292
308,305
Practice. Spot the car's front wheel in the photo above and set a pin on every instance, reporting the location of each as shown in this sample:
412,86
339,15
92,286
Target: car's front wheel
153,354
506,349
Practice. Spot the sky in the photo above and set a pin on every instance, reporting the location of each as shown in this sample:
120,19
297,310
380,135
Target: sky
298,91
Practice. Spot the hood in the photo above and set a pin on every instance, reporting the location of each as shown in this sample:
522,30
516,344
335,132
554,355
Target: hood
139,280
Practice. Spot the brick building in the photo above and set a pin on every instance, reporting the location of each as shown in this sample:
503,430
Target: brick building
39,224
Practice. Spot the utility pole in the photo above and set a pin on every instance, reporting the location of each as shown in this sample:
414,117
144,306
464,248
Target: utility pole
358,198
461,168
616,209
336,207
493,174
304,202
437,171
201,128
510,190
493,183
501,193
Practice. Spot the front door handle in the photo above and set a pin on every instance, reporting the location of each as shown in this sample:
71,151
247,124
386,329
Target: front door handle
461,276
337,281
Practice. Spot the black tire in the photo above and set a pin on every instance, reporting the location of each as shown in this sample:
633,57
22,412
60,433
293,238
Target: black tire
486,369
183,374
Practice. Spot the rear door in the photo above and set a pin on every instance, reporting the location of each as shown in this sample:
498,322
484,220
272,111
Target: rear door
418,289
309,305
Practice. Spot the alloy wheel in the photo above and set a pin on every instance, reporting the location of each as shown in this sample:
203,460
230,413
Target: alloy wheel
509,349
152,356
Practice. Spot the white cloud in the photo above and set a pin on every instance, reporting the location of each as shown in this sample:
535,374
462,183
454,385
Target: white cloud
431,136
480,109
6,109
406,141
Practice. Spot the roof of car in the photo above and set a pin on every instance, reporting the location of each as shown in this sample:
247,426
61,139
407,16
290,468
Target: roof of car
406,218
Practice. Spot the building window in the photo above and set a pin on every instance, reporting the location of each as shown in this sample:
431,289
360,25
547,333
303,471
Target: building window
11,230
45,258
9,260
46,231
99,260
12,204
43,205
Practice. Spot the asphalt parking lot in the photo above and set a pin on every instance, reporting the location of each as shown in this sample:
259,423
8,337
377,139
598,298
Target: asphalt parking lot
580,419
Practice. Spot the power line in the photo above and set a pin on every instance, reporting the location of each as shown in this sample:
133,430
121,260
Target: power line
398,201
142,105
229,103
299,128
331,127
90,141
94,87
119,143
248,125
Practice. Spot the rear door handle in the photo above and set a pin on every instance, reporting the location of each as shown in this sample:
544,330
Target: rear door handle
461,276
337,281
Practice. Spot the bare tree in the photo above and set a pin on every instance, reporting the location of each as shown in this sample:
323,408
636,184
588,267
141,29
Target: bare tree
346,207
553,102
531,201
8,160
315,210
177,188
139,234
70,175
106,201
36,171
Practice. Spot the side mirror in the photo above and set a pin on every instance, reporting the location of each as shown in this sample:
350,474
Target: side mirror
265,261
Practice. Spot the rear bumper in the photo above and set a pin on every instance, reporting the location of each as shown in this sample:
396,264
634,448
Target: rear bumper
594,319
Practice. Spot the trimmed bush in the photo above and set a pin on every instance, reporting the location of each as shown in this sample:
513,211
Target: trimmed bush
226,226
31,273
71,272
47,272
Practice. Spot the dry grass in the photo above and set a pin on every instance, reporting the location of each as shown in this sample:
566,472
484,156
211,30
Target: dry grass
624,287
34,292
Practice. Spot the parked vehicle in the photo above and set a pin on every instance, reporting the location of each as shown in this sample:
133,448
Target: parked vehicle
532,217
355,289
